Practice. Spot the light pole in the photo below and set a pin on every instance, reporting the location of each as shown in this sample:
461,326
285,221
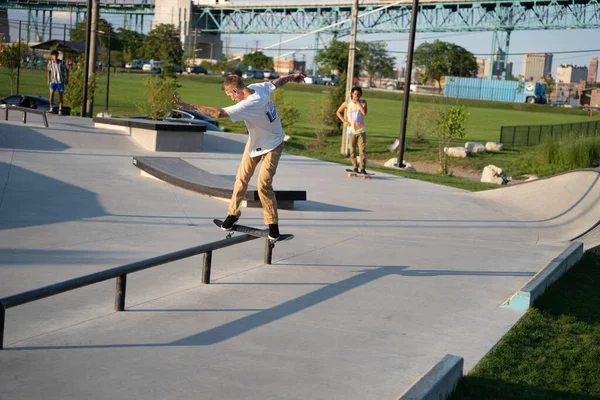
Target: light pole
407,79
108,68
86,61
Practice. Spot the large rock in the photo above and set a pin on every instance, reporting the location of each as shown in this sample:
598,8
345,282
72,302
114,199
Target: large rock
493,174
475,147
395,147
393,163
493,146
459,152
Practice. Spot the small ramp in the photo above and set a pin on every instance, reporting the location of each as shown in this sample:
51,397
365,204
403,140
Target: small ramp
180,173
559,208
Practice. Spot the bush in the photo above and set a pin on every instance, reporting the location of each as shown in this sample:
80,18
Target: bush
74,90
159,92
288,113
571,152
337,96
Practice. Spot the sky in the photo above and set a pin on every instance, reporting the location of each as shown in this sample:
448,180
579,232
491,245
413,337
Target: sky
479,43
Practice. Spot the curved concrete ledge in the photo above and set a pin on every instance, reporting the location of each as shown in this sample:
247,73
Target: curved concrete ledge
439,382
158,135
524,298
183,174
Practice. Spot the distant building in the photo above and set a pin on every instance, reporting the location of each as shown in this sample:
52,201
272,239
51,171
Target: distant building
569,73
536,65
593,71
483,66
286,67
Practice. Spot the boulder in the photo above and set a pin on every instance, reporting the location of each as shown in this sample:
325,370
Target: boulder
395,147
393,163
493,146
475,147
459,152
286,138
493,174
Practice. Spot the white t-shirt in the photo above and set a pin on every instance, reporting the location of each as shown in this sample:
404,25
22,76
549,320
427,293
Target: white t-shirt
261,118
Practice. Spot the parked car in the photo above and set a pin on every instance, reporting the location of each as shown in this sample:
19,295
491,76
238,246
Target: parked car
253,74
314,80
35,102
196,69
270,74
135,64
188,117
330,80
178,69
236,71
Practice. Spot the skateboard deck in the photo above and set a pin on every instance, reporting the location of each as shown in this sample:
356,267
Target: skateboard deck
264,233
358,174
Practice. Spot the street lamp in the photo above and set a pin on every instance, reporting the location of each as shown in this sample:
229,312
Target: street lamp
108,69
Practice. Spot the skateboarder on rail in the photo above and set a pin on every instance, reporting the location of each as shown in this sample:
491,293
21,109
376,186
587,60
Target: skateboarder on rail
265,141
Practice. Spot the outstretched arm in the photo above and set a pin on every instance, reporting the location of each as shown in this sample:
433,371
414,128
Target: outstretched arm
292,77
210,111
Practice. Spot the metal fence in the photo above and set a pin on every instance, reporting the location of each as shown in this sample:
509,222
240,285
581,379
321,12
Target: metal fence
531,135
120,273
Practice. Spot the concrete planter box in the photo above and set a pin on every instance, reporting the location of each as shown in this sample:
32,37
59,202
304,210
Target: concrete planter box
158,135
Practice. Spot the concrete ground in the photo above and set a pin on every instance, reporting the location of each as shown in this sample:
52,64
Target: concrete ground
384,277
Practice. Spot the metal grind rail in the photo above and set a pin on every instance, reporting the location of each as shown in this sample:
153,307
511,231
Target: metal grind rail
120,273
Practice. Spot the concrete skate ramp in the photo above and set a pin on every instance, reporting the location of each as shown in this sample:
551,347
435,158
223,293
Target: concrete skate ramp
560,208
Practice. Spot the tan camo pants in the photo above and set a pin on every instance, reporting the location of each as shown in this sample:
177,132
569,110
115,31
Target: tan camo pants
361,139
268,168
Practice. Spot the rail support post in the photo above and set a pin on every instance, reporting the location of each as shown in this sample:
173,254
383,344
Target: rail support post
268,251
2,318
206,267
120,293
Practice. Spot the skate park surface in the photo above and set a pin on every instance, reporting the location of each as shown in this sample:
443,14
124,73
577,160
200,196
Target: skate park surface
383,279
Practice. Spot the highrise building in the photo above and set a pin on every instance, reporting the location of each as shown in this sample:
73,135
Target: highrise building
593,71
569,73
483,67
536,65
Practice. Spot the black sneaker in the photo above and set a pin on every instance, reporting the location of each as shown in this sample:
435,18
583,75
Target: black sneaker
356,170
362,171
228,223
273,231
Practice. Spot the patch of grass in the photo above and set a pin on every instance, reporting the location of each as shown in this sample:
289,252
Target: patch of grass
553,352
383,120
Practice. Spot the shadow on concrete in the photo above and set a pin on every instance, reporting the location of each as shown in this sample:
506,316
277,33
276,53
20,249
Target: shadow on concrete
31,199
266,316
17,137
316,206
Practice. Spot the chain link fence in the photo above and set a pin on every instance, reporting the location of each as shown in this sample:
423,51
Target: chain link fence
531,135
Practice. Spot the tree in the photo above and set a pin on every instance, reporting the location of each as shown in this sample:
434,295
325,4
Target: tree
159,94
78,34
287,110
258,60
335,56
377,61
450,125
550,85
74,90
10,58
163,44
442,58
130,40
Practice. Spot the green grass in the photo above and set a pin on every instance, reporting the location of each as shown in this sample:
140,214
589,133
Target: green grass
383,120
553,352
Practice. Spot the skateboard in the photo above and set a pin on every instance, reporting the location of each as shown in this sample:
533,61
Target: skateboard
264,233
358,174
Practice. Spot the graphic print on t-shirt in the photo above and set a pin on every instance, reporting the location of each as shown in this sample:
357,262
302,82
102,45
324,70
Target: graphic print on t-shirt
271,111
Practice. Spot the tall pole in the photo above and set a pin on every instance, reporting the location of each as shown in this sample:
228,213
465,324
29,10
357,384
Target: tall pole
409,61
20,58
108,71
350,73
86,60
93,52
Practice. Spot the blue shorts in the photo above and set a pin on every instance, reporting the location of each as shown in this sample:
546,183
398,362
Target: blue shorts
57,86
